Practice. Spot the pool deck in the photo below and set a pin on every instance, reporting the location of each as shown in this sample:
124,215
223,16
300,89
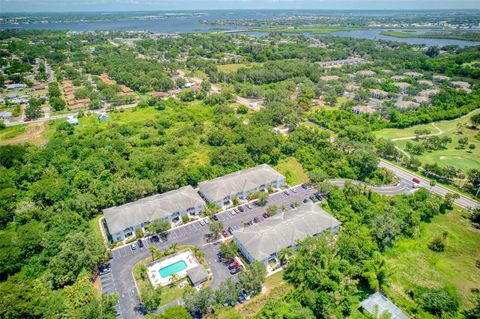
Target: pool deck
153,268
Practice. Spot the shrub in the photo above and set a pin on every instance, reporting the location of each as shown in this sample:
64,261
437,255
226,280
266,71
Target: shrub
437,300
185,219
437,244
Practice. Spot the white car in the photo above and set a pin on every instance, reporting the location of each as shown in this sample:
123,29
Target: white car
207,220
233,212
294,190
202,223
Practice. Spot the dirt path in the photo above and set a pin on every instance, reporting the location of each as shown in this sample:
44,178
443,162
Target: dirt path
34,133
439,131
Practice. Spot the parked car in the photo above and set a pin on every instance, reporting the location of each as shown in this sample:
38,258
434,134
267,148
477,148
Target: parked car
133,246
233,265
293,190
416,180
240,208
304,186
256,219
155,238
318,196
202,222
286,192
265,215
236,270
245,294
249,206
215,217
140,243
241,299
233,212
207,220
306,200
313,198
236,210
230,230
104,269
224,233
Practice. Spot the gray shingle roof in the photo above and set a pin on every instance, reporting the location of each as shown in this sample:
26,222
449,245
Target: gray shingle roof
382,304
150,208
284,229
231,184
197,274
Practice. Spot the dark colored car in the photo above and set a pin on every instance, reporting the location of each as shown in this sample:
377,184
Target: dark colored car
265,215
236,270
140,243
304,186
256,219
240,208
230,230
215,217
319,197
155,238
306,200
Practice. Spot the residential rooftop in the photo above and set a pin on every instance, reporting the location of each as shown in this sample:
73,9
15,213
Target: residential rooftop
284,230
151,208
219,188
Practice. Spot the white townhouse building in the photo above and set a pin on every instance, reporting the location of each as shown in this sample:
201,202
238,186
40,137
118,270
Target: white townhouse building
240,184
263,241
122,221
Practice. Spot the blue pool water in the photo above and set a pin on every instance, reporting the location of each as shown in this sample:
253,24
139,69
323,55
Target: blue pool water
172,269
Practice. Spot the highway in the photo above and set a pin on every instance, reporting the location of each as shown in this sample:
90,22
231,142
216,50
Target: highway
404,175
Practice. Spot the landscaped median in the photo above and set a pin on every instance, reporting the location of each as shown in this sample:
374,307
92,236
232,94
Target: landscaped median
168,282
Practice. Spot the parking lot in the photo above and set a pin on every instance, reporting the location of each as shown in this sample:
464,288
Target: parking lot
124,258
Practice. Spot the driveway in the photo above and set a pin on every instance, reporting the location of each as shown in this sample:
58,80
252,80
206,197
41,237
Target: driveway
124,258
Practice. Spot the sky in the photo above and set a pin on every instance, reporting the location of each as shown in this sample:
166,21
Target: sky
141,5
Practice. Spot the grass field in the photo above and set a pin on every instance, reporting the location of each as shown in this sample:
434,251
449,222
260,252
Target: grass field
230,68
413,263
460,158
292,170
35,133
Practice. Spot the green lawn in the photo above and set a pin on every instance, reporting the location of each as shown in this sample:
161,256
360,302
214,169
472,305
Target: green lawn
459,158
292,170
413,263
230,68
12,132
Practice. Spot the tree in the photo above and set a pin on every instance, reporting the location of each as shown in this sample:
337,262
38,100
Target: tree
160,226
175,312
463,142
227,293
437,243
199,302
262,198
471,147
173,247
57,103
475,119
433,51
153,250
151,297
437,300
80,251
215,227
377,272
229,250
272,209
253,277
283,309
33,111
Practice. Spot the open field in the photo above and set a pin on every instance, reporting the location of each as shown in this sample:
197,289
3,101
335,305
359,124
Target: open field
413,263
35,133
465,36
230,68
292,170
460,158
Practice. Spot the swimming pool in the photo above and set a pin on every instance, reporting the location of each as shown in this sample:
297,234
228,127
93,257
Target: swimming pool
172,269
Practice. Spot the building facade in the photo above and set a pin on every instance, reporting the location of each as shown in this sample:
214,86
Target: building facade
240,184
122,221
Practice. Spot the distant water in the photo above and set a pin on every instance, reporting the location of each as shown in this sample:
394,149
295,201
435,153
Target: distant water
169,23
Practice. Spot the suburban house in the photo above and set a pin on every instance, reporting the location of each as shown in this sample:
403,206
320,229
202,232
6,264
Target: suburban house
414,75
15,86
240,184
378,94
263,241
441,78
402,85
363,109
366,73
380,307
122,221
5,115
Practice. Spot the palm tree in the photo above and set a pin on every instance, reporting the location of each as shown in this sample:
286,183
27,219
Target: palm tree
283,255
153,250
173,279
174,247
378,274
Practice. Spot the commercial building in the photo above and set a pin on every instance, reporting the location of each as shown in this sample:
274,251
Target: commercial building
122,221
240,184
263,241
380,307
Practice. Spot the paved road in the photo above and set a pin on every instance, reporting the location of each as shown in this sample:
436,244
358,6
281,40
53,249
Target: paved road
403,187
124,258
463,201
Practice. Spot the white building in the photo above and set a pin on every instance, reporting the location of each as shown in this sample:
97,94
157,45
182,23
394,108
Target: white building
240,184
263,241
122,221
